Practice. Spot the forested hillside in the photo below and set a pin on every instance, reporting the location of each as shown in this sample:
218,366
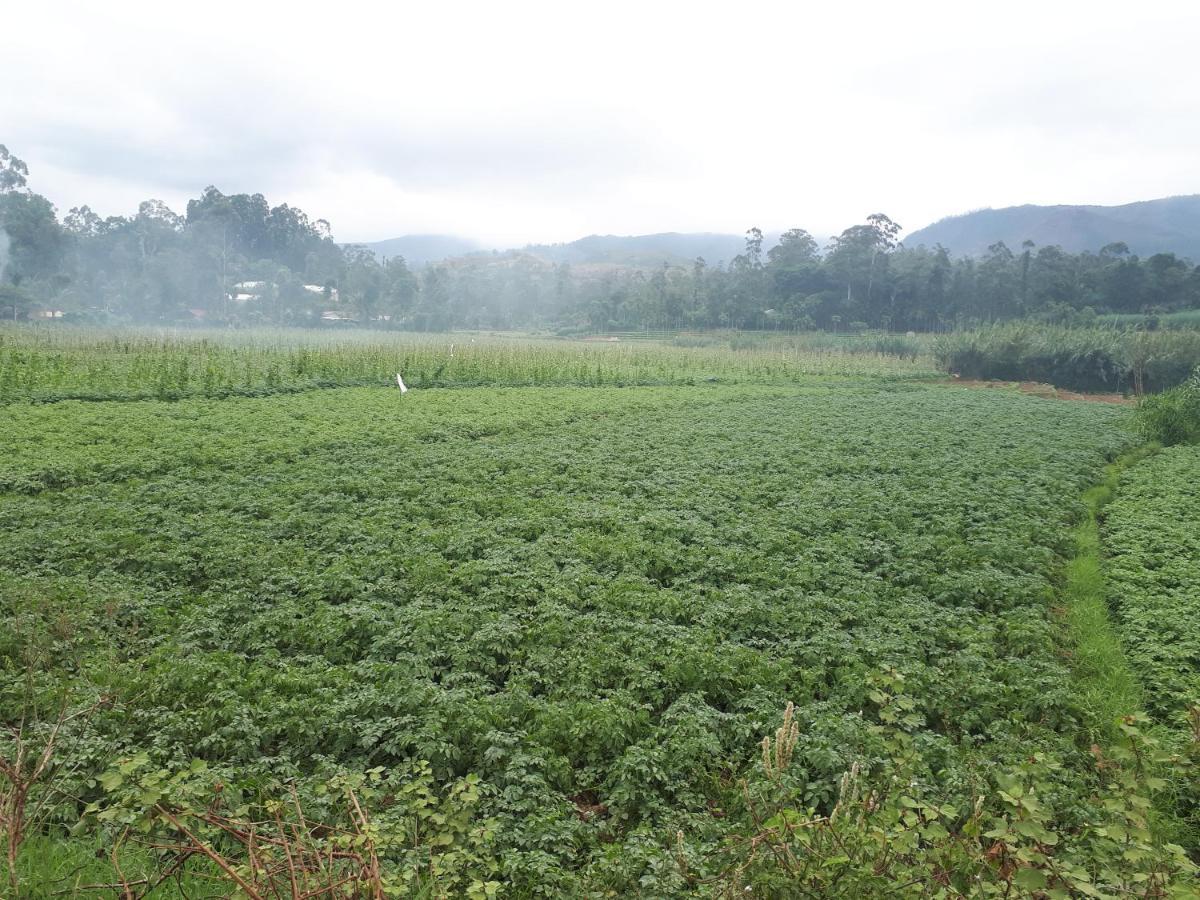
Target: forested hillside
1169,225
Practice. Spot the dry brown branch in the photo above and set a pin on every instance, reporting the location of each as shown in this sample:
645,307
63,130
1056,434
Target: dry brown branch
23,771
217,859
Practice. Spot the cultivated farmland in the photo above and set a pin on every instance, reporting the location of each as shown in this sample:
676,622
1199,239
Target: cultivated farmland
540,632
47,365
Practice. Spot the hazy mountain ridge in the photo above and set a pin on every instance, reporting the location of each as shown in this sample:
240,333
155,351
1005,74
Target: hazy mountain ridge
677,248
1166,225
639,250
419,249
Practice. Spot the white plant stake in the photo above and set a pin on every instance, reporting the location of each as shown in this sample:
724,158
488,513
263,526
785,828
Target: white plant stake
400,384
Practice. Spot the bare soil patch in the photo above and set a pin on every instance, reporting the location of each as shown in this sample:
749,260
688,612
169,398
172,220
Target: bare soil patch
1047,391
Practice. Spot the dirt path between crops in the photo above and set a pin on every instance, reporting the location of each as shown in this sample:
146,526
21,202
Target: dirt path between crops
1047,391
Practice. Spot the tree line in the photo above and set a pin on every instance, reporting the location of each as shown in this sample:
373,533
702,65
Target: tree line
235,259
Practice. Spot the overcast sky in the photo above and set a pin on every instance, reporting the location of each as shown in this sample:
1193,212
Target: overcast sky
514,122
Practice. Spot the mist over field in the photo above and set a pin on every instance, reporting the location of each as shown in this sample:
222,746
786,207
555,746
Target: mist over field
527,450
238,260
596,187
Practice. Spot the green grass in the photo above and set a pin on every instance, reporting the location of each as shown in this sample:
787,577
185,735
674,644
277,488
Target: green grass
55,867
1107,686
911,347
1188,318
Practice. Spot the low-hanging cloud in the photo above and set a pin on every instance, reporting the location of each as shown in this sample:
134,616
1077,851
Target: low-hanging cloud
539,121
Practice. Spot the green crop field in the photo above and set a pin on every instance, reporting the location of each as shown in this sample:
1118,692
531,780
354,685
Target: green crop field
51,364
527,637
1152,541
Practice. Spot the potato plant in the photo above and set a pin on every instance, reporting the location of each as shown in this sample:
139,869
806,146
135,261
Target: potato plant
594,600
1152,542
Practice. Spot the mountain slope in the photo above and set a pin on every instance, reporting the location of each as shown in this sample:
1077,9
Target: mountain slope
644,249
639,250
1171,224
418,249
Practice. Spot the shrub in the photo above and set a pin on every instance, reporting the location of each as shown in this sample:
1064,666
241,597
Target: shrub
1172,417
888,835
1082,359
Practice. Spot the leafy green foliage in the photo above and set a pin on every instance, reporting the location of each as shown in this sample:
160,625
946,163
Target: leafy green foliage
1083,359
1152,541
1152,536
890,835
1189,318
1152,566
592,600
47,365
419,840
1172,417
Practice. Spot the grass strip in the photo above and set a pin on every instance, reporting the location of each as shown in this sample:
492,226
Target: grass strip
1107,685
1108,688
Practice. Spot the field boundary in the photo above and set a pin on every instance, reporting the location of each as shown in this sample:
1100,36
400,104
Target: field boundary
1040,389
1110,691
1108,685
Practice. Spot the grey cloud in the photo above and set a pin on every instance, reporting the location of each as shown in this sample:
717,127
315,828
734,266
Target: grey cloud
515,122
269,141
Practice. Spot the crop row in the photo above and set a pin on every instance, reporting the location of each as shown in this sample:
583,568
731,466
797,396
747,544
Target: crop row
62,364
597,601
1152,541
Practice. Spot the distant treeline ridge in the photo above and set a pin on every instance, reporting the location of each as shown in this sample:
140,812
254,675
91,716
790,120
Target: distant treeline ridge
235,259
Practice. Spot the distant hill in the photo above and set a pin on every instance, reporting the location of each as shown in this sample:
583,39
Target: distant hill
645,249
1171,224
418,249
640,250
